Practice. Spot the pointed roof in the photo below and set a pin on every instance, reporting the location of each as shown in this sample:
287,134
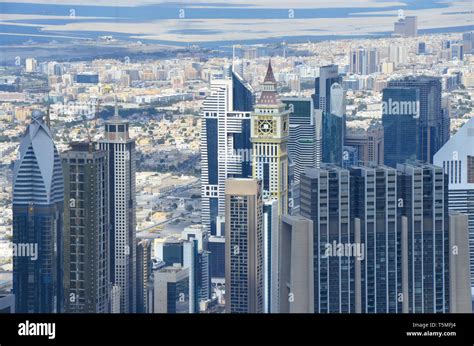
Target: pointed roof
269,77
37,173
269,95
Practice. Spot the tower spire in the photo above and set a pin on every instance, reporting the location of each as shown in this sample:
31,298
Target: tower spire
269,77
116,113
269,94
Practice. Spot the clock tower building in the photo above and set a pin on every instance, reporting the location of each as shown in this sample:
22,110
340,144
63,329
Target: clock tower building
269,134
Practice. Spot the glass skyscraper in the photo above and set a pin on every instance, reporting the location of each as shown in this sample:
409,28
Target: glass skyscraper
424,106
304,146
328,75
332,138
400,119
225,142
38,197
391,230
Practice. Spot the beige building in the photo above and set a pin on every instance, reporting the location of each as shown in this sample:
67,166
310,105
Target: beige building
459,273
244,275
296,265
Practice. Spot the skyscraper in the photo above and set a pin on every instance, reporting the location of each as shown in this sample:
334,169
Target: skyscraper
325,200
460,298
217,259
304,146
329,104
373,203
328,75
403,107
364,61
383,240
244,275
120,150
406,26
144,274
296,278
171,290
38,197
457,159
225,142
332,133
269,133
457,51
468,41
400,120
86,229
271,255
423,195
398,55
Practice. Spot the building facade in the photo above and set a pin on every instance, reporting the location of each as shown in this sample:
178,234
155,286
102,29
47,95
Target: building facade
225,143
244,272
120,150
38,206
86,229
412,118
269,133
457,159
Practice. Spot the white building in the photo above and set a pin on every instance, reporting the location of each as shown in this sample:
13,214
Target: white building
122,203
457,159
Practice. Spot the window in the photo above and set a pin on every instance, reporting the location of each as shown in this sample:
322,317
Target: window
470,169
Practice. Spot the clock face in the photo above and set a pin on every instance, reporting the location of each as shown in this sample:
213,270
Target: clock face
266,127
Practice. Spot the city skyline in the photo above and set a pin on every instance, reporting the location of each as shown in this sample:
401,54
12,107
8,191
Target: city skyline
329,175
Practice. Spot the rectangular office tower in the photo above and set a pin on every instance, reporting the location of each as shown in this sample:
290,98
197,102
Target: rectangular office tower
120,150
382,240
373,204
414,121
459,272
170,291
423,209
329,105
363,61
225,143
86,229
457,159
325,200
244,275
406,26
38,205
328,75
144,274
401,121
304,143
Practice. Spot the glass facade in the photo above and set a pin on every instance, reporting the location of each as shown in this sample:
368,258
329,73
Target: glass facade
333,138
401,136
375,207
432,126
178,297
